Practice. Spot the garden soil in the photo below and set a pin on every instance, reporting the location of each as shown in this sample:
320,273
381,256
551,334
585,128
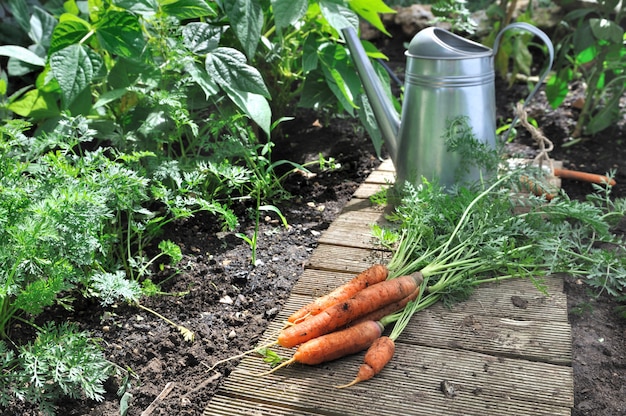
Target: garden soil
228,303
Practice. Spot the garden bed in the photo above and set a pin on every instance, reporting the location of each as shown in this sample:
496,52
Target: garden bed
228,303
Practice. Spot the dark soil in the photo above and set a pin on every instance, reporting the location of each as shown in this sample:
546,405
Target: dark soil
229,302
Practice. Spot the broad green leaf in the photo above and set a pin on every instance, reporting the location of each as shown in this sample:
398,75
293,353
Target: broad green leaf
97,8
315,91
338,86
82,103
370,10
200,76
288,12
614,54
74,68
143,7
521,55
21,12
228,67
606,116
21,54
120,33
109,96
46,82
557,87
254,105
368,119
246,19
35,104
586,55
340,77
187,9
126,72
583,38
71,7
372,51
338,16
201,38
309,54
604,29
69,31
42,25
17,68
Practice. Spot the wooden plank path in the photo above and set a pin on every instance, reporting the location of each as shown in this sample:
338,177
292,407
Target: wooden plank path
505,351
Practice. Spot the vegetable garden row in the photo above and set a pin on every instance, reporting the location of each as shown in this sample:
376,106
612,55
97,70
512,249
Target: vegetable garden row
122,117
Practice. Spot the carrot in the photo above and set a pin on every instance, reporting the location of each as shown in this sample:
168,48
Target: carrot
536,188
367,300
390,309
583,176
376,358
375,274
335,345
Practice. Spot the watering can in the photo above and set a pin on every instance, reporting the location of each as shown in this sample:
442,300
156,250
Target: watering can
447,77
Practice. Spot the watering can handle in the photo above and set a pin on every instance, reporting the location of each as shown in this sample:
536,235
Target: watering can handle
537,32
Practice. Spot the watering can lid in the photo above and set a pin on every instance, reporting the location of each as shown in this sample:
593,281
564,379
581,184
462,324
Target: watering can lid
434,42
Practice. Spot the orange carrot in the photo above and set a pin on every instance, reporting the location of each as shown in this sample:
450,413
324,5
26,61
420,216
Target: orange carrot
583,176
375,274
376,358
335,345
536,188
367,300
390,309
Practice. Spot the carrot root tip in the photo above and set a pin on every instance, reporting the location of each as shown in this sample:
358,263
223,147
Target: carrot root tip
350,384
243,354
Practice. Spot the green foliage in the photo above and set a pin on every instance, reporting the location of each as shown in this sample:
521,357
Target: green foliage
466,237
513,56
61,362
461,139
270,357
456,13
120,117
592,49
114,60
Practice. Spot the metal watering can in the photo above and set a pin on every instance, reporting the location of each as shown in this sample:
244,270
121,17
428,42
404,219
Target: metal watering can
447,77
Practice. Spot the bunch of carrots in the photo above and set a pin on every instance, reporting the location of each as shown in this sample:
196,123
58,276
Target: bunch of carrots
450,244
351,319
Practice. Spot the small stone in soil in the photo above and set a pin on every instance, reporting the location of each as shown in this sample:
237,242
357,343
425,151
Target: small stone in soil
226,300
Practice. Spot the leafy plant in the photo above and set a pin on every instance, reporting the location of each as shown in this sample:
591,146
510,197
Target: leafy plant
61,362
513,57
456,13
123,116
461,139
592,50
466,237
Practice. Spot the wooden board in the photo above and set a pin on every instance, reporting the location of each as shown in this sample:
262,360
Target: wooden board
504,351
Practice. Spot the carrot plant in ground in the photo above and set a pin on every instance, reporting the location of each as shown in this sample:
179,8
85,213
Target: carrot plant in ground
64,216
139,114
182,80
61,361
591,49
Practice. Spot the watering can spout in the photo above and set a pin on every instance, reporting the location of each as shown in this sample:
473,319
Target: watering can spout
386,115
